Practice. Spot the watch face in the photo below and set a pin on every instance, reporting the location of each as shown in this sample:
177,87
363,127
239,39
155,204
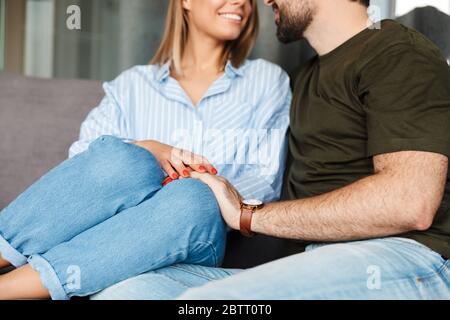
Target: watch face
253,203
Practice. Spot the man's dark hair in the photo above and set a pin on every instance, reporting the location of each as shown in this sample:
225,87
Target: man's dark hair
364,2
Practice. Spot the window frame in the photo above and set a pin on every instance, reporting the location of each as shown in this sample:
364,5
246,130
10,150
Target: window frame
2,34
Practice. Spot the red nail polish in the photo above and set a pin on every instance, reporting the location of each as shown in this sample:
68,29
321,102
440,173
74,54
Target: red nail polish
167,181
186,173
202,168
175,176
214,171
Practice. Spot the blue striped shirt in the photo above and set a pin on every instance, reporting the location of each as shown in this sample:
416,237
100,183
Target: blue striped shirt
239,125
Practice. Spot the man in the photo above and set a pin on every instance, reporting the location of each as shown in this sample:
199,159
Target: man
370,140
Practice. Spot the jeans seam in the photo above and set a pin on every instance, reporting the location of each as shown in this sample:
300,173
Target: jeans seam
428,277
444,267
213,249
433,274
183,250
408,241
438,272
173,279
193,273
417,245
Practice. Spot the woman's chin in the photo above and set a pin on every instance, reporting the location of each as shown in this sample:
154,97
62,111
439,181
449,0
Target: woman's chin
229,36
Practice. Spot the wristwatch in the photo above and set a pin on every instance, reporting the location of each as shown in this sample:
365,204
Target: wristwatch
248,208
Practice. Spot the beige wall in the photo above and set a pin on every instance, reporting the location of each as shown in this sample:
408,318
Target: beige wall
15,33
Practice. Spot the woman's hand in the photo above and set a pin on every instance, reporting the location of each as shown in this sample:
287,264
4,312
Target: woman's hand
177,162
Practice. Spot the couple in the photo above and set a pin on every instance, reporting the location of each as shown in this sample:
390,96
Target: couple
137,213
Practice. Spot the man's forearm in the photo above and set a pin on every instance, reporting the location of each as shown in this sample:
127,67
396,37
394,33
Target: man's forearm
402,195
377,206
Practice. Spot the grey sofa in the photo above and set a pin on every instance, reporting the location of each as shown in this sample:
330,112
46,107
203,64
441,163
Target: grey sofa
40,118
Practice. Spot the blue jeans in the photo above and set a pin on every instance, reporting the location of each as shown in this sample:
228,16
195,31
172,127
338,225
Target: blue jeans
103,217
389,268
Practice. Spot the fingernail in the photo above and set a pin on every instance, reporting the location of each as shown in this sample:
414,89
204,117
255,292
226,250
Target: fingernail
214,171
202,168
175,176
167,181
186,173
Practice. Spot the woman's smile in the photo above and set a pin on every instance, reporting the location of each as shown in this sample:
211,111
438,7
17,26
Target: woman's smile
232,17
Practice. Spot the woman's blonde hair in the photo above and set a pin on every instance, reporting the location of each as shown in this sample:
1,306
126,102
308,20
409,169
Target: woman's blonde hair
176,33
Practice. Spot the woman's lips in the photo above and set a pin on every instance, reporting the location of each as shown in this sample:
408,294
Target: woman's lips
232,17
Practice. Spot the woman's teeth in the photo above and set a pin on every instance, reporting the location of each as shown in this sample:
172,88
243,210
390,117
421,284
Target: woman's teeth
231,16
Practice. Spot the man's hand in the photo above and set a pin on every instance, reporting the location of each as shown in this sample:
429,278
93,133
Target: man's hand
227,196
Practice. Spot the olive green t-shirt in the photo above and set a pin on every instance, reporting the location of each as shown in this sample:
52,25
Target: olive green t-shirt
384,90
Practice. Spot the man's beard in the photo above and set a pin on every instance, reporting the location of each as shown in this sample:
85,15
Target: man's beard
293,23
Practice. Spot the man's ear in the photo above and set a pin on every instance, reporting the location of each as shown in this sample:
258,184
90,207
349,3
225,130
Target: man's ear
186,4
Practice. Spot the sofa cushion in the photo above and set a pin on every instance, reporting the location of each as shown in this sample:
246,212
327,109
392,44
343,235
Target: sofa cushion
39,119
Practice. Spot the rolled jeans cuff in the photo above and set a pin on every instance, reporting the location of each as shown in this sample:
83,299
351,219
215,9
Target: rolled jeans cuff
49,277
10,254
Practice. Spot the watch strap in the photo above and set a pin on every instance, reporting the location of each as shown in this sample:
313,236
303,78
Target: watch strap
246,221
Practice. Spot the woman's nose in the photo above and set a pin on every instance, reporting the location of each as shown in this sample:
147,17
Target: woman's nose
238,2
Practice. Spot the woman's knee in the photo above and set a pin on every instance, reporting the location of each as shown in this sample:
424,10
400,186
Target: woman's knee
194,201
196,211
186,217
120,161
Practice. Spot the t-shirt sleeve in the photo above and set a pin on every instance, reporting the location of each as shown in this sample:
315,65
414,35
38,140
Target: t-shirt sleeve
406,96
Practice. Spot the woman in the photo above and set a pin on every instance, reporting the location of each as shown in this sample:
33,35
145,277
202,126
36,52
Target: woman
124,204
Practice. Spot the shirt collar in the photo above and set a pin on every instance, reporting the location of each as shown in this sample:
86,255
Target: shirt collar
163,72
233,72
230,71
